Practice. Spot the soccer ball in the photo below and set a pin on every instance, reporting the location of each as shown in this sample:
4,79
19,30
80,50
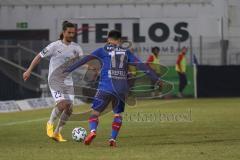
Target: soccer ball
79,134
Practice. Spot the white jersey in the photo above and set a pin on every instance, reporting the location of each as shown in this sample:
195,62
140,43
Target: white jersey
60,54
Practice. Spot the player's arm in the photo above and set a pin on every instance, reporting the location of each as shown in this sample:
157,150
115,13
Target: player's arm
33,64
46,52
142,66
84,60
79,63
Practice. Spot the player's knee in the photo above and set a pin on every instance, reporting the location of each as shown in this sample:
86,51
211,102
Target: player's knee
64,105
60,106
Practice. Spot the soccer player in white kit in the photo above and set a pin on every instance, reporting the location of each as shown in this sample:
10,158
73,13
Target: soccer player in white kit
60,52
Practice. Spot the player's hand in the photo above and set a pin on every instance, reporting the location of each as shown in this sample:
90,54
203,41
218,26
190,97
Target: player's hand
26,75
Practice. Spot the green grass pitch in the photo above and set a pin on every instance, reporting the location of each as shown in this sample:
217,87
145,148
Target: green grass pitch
203,129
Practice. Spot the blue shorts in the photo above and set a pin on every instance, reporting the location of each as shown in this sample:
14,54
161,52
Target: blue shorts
103,100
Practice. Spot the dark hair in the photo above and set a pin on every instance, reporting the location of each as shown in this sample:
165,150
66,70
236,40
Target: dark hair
115,34
155,49
66,25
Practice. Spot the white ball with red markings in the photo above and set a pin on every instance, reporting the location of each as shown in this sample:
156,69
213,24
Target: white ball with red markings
79,134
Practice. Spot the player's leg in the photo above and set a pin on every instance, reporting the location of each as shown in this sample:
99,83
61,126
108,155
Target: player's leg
118,108
62,110
54,115
93,124
116,126
56,111
181,85
101,101
184,81
66,107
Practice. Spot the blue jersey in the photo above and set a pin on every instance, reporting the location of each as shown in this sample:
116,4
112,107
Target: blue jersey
114,71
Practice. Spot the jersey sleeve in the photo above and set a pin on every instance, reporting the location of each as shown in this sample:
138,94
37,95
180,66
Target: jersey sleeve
131,57
48,51
97,53
93,55
142,66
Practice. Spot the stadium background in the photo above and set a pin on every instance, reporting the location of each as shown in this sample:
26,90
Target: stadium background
209,28
166,128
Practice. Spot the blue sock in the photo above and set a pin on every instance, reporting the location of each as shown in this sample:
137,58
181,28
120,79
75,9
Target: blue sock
116,125
93,123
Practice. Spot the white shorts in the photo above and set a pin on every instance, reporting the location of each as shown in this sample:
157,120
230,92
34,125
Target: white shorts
58,95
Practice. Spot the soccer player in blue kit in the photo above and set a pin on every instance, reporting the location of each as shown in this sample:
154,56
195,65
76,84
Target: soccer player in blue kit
113,83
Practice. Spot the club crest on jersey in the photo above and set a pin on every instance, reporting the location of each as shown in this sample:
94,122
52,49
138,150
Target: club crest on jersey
75,53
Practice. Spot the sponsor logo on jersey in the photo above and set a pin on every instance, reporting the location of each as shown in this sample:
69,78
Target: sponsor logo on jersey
44,51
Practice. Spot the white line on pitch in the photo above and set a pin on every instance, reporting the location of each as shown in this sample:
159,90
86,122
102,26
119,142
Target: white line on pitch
43,119
22,122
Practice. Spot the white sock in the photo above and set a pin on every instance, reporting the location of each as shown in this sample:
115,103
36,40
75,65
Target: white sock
54,115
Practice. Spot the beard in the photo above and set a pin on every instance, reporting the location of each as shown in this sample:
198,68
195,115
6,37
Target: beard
69,39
